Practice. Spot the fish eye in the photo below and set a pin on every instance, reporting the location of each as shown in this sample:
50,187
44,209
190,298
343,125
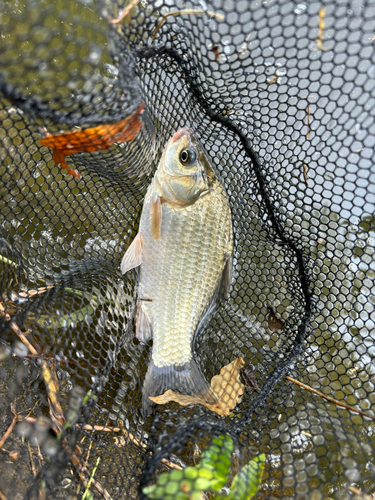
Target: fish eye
188,157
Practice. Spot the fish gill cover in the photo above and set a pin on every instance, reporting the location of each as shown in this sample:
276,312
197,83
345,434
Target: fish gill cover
281,96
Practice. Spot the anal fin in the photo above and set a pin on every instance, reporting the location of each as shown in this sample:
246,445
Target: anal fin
133,255
143,325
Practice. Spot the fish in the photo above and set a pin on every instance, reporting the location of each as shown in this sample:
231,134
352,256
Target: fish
184,251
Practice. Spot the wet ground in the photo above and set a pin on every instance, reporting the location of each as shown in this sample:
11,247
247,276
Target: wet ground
19,461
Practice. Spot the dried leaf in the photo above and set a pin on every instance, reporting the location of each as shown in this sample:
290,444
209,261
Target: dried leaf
215,50
226,386
274,323
247,377
92,139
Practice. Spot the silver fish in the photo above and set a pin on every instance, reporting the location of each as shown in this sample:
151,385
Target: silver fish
184,249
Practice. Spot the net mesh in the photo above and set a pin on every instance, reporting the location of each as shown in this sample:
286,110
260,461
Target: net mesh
282,97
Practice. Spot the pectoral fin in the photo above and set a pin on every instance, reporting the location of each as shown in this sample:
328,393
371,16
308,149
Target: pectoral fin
133,255
156,217
143,325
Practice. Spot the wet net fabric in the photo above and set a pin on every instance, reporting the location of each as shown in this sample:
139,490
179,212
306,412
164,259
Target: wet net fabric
282,97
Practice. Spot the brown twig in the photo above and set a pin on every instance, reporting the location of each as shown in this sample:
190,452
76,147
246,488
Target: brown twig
182,12
125,12
50,379
308,121
82,470
134,440
121,441
86,462
17,418
10,428
52,386
328,398
171,465
101,490
27,294
8,431
30,410
42,493
23,338
33,469
2,496
321,23
129,435
305,174
100,428
40,457
356,491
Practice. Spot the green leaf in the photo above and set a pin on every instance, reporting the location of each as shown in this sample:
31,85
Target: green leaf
154,492
247,482
191,472
210,474
220,449
216,460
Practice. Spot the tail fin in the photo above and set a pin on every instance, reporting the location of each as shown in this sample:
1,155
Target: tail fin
186,379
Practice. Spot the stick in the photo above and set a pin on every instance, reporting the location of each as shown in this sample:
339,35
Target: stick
134,440
86,493
100,428
308,122
40,457
33,469
49,378
356,491
86,462
52,385
14,421
321,22
125,12
2,496
180,13
9,262
305,174
171,465
328,398
8,431
143,446
23,339
82,474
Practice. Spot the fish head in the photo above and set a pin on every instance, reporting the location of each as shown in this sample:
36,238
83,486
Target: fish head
185,173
